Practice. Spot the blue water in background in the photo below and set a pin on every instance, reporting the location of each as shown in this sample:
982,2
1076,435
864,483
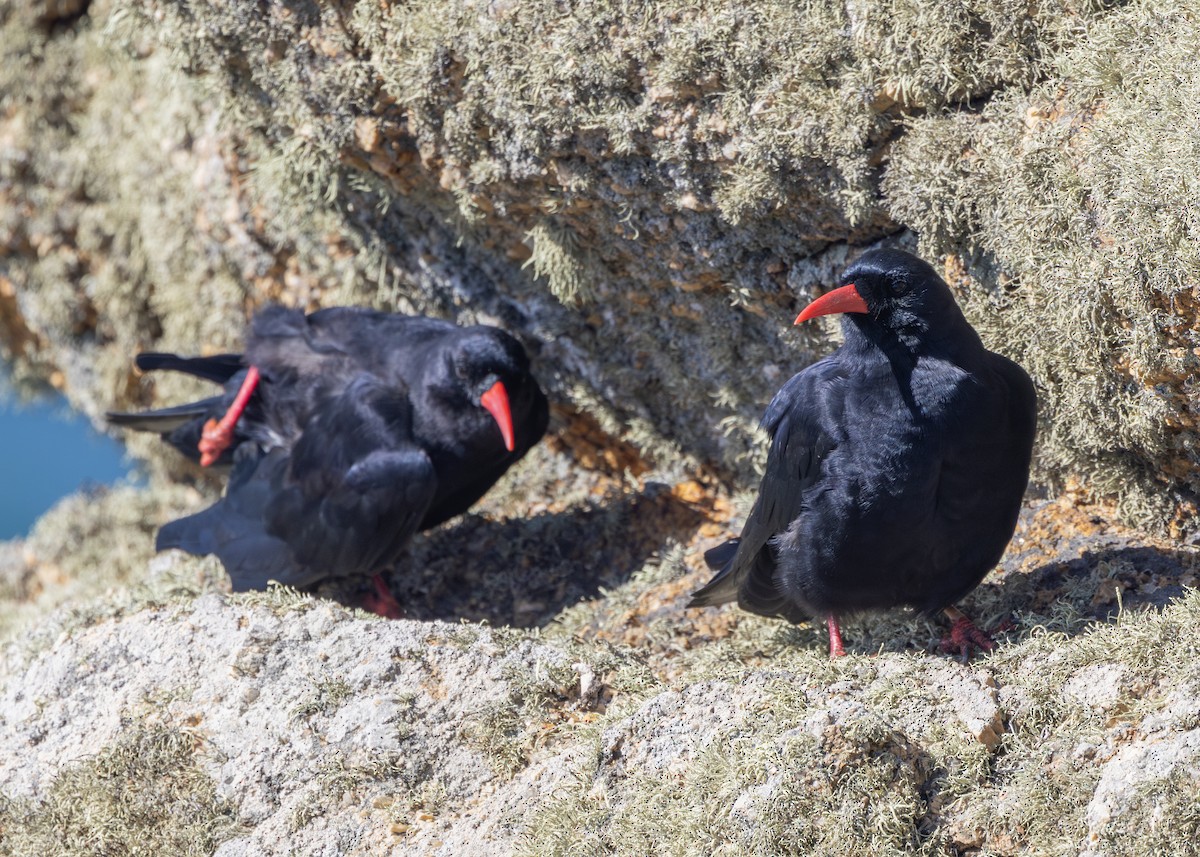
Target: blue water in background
46,453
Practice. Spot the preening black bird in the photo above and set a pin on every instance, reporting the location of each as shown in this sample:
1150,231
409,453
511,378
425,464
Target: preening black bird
897,463
348,430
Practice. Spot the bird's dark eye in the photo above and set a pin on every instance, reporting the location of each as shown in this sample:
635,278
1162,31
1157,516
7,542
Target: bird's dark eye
896,287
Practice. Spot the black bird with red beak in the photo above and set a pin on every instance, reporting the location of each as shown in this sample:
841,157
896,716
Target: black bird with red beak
348,430
897,463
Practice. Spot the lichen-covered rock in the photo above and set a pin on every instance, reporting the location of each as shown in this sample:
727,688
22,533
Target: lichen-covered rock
141,708
1155,781
315,728
276,724
643,192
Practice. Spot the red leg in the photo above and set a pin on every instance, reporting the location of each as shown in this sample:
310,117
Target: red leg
217,436
836,649
964,635
381,601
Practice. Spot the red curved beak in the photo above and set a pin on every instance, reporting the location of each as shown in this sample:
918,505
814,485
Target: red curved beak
495,400
845,299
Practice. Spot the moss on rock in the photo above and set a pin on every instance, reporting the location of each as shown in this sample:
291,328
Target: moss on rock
643,192
144,795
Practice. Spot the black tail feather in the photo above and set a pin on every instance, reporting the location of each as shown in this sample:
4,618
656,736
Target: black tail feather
720,556
723,588
751,582
232,528
219,367
164,420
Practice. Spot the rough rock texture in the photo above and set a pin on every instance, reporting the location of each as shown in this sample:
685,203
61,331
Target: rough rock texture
295,726
143,711
317,728
644,192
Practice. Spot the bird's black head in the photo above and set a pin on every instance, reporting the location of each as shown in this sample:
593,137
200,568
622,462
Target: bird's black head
891,295
486,365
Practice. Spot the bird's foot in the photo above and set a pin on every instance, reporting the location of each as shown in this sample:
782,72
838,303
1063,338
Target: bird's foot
217,436
381,602
214,440
836,649
965,635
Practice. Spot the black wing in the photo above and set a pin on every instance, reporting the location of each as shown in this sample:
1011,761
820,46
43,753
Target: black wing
219,368
281,339
287,344
166,420
799,443
344,502
182,425
1024,398
359,486
232,528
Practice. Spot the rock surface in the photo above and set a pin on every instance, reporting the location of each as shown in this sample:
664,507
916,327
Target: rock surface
316,726
165,712
645,193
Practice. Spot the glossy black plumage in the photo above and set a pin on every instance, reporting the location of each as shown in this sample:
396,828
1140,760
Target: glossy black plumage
365,428
897,464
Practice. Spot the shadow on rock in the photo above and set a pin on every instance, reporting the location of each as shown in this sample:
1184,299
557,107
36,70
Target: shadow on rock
1066,569
1098,584
523,572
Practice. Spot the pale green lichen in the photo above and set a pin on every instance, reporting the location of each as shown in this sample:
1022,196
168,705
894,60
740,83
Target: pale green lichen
1070,203
686,172
669,167
144,795
327,695
897,774
558,258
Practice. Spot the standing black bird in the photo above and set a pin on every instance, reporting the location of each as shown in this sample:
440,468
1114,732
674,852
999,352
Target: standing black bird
897,463
348,430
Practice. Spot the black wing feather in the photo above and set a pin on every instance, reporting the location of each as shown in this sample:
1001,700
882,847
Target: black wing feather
165,420
232,528
343,503
798,446
359,485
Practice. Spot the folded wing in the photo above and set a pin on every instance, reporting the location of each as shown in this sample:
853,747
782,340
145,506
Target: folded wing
746,566
343,502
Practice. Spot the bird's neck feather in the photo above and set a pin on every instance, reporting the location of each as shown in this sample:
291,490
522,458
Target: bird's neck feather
927,372
952,339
